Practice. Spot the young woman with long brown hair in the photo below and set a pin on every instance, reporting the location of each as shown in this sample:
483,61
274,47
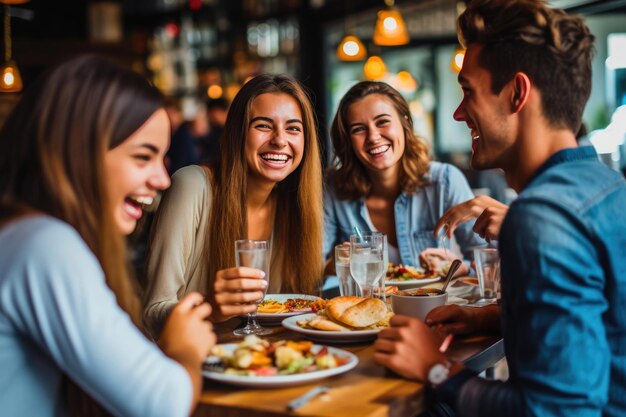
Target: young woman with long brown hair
383,180
267,185
80,153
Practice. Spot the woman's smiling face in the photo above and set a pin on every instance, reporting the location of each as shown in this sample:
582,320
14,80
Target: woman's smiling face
275,138
376,132
135,171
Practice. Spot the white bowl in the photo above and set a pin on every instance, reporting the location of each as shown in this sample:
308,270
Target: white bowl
416,306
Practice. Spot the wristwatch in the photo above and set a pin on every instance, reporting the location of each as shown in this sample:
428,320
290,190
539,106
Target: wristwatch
439,372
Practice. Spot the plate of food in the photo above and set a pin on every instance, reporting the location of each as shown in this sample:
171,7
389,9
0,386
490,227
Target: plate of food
407,276
345,319
255,362
276,307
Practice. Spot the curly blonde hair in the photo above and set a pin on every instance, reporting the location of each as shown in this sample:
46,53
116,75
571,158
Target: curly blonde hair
347,174
552,48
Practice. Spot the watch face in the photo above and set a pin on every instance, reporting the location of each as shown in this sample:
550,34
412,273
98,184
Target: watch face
438,373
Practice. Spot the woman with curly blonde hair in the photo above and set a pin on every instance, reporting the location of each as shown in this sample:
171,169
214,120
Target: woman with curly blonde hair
382,179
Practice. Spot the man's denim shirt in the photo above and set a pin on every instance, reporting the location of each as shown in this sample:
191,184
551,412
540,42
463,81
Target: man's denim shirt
563,251
415,215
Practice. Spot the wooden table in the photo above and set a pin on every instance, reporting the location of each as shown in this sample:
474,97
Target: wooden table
368,390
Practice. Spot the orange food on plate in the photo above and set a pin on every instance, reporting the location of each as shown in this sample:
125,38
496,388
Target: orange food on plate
270,306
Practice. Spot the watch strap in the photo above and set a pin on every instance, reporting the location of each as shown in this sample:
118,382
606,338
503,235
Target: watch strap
448,391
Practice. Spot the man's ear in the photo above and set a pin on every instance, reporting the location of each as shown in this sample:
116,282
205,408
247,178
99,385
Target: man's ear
521,91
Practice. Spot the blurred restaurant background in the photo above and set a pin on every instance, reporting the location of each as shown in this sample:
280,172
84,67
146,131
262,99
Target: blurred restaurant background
196,51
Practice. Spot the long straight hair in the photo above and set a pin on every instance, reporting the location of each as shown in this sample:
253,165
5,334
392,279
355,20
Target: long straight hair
299,210
52,150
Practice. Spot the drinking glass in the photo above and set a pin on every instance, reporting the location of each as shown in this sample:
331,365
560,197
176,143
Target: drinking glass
366,261
379,292
253,254
347,285
488,270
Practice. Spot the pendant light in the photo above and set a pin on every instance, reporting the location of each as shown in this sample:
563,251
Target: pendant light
390,29
10,77
375,68
351,49
404,82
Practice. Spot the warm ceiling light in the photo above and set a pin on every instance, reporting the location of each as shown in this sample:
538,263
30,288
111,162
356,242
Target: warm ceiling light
10,77
457,60
214,91
374,68
351,49
390,29
404,82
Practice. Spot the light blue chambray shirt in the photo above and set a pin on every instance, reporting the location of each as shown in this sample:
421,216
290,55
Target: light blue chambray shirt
563,251
416,215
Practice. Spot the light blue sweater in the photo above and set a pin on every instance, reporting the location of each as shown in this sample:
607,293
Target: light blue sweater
58,316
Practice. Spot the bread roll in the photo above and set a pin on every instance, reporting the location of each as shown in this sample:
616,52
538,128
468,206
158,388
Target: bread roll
356,311
321,323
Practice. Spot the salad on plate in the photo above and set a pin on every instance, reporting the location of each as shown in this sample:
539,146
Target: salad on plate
256,357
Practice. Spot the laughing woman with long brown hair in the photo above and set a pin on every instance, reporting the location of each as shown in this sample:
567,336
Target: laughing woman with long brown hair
267,185
79,154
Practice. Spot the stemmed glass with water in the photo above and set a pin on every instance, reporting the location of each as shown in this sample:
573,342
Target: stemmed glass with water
367,261
253,254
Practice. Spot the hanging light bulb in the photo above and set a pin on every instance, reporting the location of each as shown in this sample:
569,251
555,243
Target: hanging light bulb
456,63
351,49
404,82
10,77
390,29
374,68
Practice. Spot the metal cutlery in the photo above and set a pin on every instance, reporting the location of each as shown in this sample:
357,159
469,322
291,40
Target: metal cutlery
302,400
455,265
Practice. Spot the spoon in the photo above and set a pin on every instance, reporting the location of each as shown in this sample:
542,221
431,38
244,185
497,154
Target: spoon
453,267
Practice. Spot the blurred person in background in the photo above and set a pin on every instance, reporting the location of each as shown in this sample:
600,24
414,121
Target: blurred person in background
526,79
79,155
187,135
217,112
266,185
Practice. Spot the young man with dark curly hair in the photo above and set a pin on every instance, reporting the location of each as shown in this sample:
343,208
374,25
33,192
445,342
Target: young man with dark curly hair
525,80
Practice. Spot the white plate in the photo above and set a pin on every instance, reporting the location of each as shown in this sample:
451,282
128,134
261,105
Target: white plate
345,336
411,283
283,380
274,319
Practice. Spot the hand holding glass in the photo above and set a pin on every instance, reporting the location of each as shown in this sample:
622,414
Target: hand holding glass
366,261
253,254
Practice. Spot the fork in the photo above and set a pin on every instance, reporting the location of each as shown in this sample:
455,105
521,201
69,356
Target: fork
302,400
